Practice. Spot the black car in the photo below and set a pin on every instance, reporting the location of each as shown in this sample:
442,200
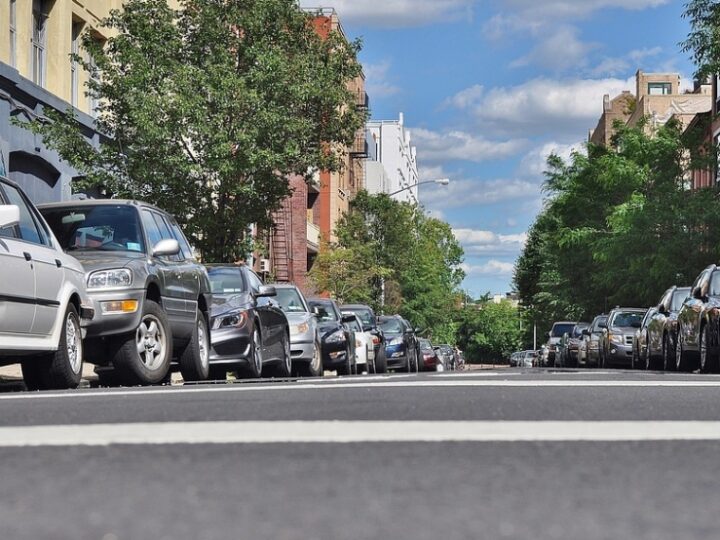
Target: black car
660,334
250,332
370,324
401,347
697,324
336,339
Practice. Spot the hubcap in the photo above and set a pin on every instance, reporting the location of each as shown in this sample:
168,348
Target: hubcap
317,360
151,342
73,344
678,353
257,353
703,350
288,356
203,344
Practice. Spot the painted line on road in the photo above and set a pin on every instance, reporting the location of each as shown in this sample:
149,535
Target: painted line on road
438,383
353,432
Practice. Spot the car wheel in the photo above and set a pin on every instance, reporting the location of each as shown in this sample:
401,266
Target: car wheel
63,368
668,353
314,368
144,356
682,362
254,368
381,361
708,355
284,368
195,359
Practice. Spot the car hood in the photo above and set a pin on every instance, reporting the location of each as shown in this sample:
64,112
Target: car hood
328,326
227,304
627,330
105,260
298,317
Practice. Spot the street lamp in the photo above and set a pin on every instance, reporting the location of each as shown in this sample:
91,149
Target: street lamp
439,181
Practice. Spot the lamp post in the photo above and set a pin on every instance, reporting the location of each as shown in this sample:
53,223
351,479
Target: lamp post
439,181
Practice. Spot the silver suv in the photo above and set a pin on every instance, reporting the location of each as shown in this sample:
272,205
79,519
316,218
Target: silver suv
151,297
43,303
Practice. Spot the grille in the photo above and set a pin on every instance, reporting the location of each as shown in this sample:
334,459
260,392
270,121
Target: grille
628,340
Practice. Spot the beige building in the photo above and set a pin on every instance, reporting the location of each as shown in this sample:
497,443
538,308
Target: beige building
658,98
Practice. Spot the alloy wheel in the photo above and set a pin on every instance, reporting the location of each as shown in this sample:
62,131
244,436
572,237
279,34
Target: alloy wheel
316,364
73,343
151,342
203,343
288,355
257,352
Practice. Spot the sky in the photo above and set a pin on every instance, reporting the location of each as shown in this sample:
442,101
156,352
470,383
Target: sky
490,88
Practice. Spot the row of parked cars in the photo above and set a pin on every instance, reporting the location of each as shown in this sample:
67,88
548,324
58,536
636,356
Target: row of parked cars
680,333
115,283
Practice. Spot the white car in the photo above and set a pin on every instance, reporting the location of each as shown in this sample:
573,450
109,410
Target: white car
43,303
364,346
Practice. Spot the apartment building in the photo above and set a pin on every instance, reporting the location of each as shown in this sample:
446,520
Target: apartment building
37,73
709,123
310,215
657,98
392,166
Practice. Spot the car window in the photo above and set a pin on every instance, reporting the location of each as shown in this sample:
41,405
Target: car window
365,315
254,281
28,227
325,311
290,300
679,297
185,249
165,233
626,318
101,227
226,281
596,325
151,228
559,330
392,326
354,326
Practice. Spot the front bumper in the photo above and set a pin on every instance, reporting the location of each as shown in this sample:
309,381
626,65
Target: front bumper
396,356
230,345
619,353
111,324
334,354
301,349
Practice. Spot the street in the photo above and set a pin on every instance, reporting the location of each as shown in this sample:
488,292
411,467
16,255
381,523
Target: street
446,455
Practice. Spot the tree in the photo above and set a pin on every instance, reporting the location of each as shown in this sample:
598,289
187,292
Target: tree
207,110
491,333
703,42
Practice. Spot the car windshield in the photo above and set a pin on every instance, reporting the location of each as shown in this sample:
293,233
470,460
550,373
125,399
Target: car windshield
354,326
226,281
425,344
365,315
679,297
325,312
559,330
596,329
96,228
290,300
392,326
626,319
578,331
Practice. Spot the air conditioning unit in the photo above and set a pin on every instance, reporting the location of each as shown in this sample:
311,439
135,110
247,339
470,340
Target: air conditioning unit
265,266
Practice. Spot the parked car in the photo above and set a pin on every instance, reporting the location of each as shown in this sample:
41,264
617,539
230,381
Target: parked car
697,325
662,329
337,341
364,348
430,360
151,297
528,359
448,357
43,302
305,345
370,324
616,342
589,347
401,348
569,346
559,329
640,341
515,359
443,359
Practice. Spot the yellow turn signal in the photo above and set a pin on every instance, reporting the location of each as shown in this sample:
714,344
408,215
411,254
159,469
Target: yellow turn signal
119,306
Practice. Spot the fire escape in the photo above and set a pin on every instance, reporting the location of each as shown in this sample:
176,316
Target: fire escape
281,248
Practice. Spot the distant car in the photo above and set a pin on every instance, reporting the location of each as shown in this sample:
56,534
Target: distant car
640,341
305,345
662,328
336,339
370,324
151,297
364,347
559,329
430,360
589,347
250,332
569,346
43,301
528,359
449,357
698,323
616,342
401,348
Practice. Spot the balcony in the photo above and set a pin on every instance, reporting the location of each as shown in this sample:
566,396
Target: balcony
313,237
362,100
360,148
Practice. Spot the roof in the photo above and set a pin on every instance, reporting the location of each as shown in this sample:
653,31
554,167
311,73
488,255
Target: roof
101,202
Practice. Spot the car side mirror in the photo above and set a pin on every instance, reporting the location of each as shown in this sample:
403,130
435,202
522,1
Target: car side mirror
697,293
586,332
9,215
316,311
266,291
166,248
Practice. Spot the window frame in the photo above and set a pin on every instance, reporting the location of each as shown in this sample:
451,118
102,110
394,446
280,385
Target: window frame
75,35
44,236
12,26
38,43
666,88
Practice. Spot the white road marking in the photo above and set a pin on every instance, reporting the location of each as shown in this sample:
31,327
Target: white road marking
351,384
353,432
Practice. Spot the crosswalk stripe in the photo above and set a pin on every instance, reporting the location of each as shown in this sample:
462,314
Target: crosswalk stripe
353,432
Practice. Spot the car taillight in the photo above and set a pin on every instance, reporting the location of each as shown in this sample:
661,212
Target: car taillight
376,340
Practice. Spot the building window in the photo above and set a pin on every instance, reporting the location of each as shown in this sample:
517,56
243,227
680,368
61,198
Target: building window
659,89
93,101
39,41
13,33
74,71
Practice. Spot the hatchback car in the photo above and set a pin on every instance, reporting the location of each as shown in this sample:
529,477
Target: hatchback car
250,331
401,348
43,302
428,356
151,297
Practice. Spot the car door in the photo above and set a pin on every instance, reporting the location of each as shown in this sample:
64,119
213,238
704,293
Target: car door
168,269
272,325
189,269
17,275
657,324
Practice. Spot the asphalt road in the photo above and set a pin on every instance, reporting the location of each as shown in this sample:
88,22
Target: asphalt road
495,454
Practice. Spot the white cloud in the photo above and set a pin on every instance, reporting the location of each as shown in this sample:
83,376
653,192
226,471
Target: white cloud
534,163
491,268
468,193
488,243
545,54
399,13
459,145
565,106
633,60
376,80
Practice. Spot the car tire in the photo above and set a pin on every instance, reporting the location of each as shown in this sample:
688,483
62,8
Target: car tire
254,368
283,369
150,366
708,355
668,353
682,360
61,369
314,368
381,361
195,359
347,368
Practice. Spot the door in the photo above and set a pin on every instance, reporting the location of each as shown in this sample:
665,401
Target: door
269,314
189,270
17,274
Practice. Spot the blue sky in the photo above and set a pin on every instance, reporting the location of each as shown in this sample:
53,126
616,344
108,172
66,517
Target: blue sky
490,87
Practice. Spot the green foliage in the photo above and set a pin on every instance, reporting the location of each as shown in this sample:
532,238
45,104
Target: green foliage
490,332
619,227
703,42
209,108
408,263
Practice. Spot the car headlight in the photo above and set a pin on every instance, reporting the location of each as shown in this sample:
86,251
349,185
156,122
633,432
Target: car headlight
396,341
336,337
617,339
110,279
233,320
299,328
